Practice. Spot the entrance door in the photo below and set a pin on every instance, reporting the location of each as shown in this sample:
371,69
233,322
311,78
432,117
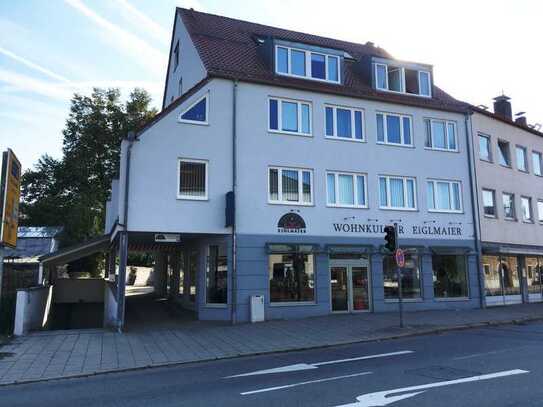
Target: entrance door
349,288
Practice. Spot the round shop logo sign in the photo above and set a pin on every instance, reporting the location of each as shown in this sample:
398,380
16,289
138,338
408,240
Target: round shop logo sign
291,223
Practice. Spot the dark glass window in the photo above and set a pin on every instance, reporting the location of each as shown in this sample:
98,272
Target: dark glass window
292,277
318,66
329,121
197,113
411,280
450,276
274,115
216,275
343,123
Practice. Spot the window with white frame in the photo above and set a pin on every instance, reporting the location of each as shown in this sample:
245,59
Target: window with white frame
526,206
289,116
540,210
397,192
440,135
536,163
344,123
291,186
508,201
394,129
307,64
522,162
484,147
444,196
395,78
489,203
192,179
196,113
504,156
345,189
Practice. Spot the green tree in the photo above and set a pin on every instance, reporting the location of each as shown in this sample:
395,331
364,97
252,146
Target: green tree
72,192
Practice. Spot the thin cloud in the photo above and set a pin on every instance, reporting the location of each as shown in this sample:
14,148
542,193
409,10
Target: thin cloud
144,53
32,65
153,28
29,84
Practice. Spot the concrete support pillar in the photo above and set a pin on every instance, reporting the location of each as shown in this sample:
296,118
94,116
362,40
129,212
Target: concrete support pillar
186,277
121,280
427,276
175,265
160,280
377,289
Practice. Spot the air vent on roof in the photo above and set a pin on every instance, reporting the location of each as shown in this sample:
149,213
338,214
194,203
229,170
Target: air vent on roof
484,107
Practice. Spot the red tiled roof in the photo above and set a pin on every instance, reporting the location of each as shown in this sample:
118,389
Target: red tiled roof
228,49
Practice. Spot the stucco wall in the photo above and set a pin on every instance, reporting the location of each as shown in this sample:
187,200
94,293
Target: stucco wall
491,175
190,67
153,202
258,149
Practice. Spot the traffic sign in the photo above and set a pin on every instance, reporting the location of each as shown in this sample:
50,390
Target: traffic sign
10,184
399,256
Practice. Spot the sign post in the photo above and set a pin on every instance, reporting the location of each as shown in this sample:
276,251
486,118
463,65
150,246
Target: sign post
399,257
10,192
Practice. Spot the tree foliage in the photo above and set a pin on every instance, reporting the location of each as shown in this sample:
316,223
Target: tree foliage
72,191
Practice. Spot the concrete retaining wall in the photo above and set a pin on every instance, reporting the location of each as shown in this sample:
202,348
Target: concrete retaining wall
32,309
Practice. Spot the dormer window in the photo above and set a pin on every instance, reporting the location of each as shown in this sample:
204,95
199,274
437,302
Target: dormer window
307,64
401,79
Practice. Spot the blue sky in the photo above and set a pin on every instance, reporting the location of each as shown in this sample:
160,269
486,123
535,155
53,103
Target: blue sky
50,49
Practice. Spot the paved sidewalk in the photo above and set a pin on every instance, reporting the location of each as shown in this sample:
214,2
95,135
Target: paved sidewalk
58,354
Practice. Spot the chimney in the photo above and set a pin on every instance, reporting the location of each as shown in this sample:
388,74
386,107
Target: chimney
521,119
502,107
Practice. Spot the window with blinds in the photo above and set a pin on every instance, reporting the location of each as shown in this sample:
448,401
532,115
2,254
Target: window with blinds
192,179
290,186
397,193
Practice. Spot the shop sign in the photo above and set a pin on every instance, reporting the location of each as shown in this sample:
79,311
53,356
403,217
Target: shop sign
291,223
379,229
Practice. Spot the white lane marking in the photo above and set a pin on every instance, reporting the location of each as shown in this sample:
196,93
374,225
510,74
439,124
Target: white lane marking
383,398
382,355
307,366
288,386
476,355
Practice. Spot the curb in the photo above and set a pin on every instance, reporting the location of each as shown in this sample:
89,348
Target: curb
423,332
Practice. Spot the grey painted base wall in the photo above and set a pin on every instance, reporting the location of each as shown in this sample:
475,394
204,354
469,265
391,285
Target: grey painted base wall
252,276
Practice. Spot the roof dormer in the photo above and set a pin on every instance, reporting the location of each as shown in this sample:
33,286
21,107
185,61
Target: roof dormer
308,61
402,77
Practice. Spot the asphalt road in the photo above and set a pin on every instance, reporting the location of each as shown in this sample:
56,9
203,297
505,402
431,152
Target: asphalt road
495,366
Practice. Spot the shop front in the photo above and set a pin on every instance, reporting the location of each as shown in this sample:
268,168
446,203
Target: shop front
512,276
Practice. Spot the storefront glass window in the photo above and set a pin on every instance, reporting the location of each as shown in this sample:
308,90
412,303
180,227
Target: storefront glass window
216,275
534,267
411,282
501,275
292,277
450,276
193,270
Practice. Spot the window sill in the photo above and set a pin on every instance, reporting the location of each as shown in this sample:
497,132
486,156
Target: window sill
506,166
346,206
293,304
523,171
384,143
490,217
216,306
443,150
309,78
395,301
451,299
290,203
190,198
289,133
399,209
352,140
486,161
193,122
445,211
403,93
511,219
528,222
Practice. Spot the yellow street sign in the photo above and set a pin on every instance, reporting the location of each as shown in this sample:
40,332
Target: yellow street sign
10,193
